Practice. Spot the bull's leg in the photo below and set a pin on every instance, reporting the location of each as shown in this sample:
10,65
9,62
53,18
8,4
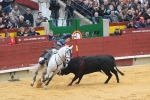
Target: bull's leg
116,74
109,76
80,77
35,74
73,80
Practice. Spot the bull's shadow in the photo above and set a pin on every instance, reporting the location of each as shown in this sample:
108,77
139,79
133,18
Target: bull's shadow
82,65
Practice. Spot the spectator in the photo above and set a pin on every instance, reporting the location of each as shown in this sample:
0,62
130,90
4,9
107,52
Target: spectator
27,24
69,13
51,36
120,17
5,23
21,22
130,25
54,7
2,26
12,15
148,23
40,19
21,32
113,17
32,32
135,5
28,16
116,33
129,16
16,11
12,23
6,5
12,41
141,23
146,15
1,11
95,19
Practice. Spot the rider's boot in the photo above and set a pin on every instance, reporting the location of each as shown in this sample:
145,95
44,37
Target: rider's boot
46,57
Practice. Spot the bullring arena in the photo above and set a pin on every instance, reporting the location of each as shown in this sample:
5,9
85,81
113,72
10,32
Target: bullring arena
135,85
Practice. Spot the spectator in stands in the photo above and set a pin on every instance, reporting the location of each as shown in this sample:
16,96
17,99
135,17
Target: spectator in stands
87,11
12,15
5,23
148,23
21,32
130,24
32,32
21,22
39,19
137,15
116,33
51,36
146,15
2,26
16,11
135,4
54,7
12,23
120,17
95,19
28,16
113,16
1,11
141,23
6,5
69,13
129,16
4,15
27,24
106,4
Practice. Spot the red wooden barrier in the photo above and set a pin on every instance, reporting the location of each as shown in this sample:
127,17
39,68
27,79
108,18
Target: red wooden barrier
21,55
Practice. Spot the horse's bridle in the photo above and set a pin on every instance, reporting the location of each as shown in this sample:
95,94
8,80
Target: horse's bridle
65,57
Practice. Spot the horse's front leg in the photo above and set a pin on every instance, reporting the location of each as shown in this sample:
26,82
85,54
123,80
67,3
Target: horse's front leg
35,74
49,79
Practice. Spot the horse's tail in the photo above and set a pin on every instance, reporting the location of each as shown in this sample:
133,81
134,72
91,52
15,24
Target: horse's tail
36,67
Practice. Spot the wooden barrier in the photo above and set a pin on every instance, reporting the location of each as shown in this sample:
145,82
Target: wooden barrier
134,31
23,54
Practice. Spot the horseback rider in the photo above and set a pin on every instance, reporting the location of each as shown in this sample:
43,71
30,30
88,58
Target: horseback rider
61,42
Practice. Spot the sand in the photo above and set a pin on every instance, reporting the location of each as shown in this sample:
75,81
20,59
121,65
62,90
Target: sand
135,85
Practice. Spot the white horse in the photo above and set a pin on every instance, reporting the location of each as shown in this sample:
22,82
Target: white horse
55,64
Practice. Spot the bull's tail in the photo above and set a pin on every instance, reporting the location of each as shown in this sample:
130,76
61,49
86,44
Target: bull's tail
118,70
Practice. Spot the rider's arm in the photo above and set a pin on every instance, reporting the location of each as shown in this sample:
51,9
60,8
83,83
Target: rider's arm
65,36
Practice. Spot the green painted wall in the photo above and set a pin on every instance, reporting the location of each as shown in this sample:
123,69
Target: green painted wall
89,28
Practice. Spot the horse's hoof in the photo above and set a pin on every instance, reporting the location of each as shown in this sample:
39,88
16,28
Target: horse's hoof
77,83
69,84
45,87
32,84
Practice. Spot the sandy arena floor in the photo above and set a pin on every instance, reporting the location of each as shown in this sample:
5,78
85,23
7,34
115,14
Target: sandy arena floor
135,85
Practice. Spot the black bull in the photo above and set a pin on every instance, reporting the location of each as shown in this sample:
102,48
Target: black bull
80,66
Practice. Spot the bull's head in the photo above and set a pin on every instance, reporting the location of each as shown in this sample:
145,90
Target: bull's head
64,71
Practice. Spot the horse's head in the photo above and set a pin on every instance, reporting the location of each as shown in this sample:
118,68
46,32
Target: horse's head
68,53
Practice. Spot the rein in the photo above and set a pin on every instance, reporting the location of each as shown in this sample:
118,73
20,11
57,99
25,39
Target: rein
61,58
81,67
